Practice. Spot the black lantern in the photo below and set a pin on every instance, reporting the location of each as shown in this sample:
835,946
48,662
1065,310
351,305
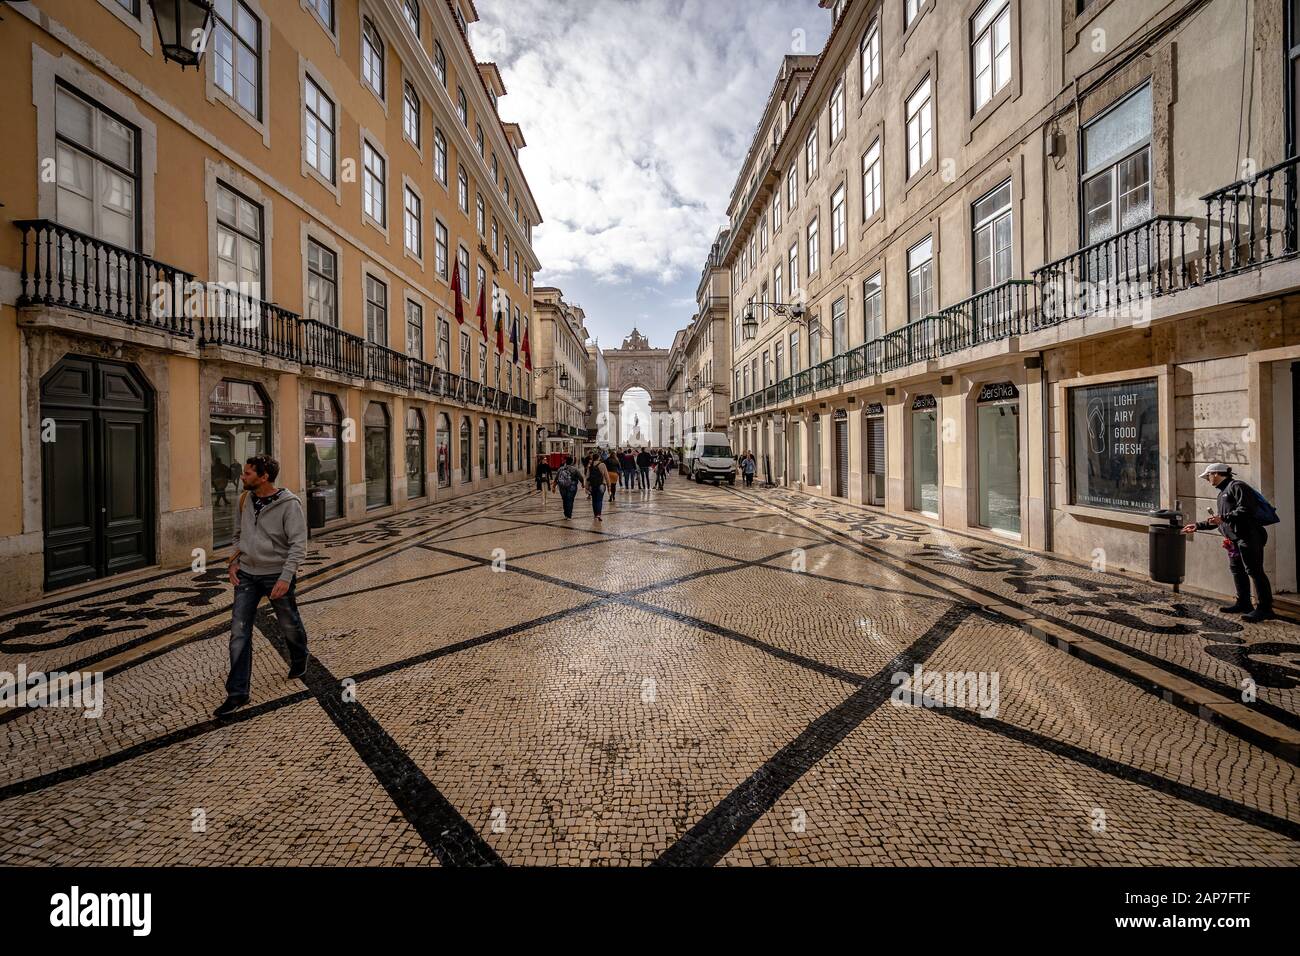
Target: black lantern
183,29
749,324
564,379
590,409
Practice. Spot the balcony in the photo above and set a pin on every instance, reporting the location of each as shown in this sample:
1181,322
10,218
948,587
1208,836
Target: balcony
1119,276
1252,221
66,270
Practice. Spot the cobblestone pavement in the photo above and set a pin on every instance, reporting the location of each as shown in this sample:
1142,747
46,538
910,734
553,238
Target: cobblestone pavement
707,677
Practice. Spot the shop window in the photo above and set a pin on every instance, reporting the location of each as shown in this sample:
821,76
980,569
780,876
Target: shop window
323,452
414,454
378,443
925,456
1115,446
239,427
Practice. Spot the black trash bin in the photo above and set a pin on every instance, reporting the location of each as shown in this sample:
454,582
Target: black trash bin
1168,548
316,500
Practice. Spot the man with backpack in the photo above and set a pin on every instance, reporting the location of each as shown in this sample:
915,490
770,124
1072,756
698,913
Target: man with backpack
568,479
1242,515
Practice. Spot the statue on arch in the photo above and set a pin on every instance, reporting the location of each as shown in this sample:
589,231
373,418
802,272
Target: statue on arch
636,341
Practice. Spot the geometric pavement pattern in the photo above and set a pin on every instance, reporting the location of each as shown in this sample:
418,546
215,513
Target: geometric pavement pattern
705,678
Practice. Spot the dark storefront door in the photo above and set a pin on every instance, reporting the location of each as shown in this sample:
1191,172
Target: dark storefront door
96,472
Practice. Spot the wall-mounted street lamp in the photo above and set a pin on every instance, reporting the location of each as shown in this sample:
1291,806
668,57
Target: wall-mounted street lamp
183,29
796,311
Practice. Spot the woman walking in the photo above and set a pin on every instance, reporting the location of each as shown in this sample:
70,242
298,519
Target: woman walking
612,470
597,478
747,467
543,477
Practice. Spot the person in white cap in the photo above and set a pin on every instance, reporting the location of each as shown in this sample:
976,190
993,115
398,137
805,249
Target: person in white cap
1241,516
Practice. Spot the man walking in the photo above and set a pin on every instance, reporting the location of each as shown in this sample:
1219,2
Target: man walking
270,543
643,461
1242,514
568,479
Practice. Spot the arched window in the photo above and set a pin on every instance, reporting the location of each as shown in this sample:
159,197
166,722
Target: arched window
378,445
414,454
496,457
510,447
482,448
372,57
442,451
466,462
519,448
323,452
239,420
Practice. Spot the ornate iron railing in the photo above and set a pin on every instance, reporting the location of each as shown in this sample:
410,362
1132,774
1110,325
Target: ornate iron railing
1252,221
67,269
1118,275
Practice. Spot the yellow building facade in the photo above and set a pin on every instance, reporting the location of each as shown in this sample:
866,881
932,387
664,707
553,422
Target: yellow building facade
260,256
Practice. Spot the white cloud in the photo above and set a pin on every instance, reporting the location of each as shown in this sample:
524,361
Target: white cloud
638,114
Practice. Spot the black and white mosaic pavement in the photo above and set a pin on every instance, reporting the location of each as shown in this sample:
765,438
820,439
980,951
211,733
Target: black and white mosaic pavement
706,677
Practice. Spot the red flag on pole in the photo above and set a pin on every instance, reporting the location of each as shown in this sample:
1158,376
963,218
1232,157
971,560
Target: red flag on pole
528,352
501,337
482,311
455,291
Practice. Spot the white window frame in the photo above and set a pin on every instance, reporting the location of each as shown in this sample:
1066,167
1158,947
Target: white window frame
985,26
920,126
872,181
869,50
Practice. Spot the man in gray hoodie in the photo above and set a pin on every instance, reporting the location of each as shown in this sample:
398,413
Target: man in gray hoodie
270,543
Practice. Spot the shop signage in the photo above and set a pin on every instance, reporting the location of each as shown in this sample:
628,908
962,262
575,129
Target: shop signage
923,403
998,392
1115,445
874,410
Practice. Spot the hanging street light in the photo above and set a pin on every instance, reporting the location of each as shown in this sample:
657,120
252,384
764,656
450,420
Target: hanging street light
183,29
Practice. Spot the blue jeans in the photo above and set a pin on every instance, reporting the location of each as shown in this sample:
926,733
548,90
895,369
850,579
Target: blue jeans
625,478
248,595
644,475
567,496
597,499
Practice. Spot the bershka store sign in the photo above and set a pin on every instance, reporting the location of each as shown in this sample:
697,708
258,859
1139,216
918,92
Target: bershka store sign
1115,446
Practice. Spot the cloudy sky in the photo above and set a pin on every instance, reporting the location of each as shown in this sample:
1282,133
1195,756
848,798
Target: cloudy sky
638,114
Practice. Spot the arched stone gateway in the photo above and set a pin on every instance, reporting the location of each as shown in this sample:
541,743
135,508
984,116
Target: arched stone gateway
636,365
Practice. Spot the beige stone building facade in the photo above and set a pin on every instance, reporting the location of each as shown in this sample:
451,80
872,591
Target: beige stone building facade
1022,269
560,366
262,255
707,389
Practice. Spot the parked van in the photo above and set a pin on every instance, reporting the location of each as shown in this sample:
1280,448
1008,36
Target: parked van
707,457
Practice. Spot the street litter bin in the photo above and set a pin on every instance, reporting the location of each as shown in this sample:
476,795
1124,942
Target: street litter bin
1168,548
316,500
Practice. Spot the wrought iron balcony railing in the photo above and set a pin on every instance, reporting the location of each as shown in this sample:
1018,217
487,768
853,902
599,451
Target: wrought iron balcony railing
1119,274
1252,221
64,268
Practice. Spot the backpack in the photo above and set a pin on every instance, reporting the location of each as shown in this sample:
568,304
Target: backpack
594,477
1263,513
565,478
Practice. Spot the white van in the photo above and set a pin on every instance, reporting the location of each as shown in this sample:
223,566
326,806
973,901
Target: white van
707,457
